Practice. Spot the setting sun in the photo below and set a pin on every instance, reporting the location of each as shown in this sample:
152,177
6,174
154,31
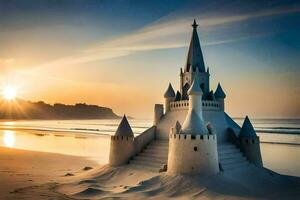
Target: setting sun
9,93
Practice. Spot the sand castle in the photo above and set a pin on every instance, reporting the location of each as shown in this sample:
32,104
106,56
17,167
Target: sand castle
191,134
194,150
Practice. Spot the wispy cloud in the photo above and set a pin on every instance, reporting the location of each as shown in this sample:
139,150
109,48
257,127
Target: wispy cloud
164,34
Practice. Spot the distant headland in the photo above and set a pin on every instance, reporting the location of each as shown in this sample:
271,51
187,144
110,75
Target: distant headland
21,109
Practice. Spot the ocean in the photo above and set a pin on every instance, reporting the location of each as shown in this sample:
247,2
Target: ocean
280,138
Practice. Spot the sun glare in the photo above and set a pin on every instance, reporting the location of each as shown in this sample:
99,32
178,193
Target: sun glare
9,138
9,93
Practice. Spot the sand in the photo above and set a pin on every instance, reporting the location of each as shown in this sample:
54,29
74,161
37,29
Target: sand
34,175
21,170
128,183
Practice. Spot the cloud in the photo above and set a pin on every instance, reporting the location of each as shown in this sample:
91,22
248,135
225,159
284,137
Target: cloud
166,33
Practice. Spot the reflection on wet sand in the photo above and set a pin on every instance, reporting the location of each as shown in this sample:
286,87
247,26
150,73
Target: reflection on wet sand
282,158
91,146
9,138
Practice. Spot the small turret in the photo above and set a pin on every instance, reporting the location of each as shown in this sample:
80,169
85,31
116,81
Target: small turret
249,143
178,96
169,92
219,93
194,123
220,96
121,144
158,113
211,96
169,97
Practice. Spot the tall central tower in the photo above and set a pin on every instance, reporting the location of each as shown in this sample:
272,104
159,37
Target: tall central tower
194,63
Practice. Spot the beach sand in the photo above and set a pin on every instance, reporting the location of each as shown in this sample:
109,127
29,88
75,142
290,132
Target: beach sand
21,170
35,175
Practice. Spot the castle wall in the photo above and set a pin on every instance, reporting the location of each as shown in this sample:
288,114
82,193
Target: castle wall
251,149
216,118
206,105
121,150
144,139
193,154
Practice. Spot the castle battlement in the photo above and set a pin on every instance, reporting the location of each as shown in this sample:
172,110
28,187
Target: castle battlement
192,154
131,138
207,105
192,137
249,141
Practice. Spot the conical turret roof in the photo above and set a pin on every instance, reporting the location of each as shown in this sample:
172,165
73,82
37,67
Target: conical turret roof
124,128
178,96
219,93
195,57
169,92
195,88
193,124
247,129
211,96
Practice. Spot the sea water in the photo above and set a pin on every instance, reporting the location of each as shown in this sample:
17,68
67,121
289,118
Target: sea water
280,138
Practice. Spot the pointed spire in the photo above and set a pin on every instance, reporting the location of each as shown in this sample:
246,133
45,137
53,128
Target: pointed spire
247,129
195,89
169,92
194,25
219,93
195,57
124,128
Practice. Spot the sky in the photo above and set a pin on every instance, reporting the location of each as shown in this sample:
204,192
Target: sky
123,53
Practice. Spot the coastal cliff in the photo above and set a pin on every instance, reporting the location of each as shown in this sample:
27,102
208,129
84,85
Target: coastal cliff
21,109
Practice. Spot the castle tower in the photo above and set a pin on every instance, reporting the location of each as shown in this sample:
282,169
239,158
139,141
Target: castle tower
169,97
249,143
158,113
121,144
192,148
194,62
220,96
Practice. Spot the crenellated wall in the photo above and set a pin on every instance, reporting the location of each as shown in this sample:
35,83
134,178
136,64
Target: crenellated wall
206,105
189,154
